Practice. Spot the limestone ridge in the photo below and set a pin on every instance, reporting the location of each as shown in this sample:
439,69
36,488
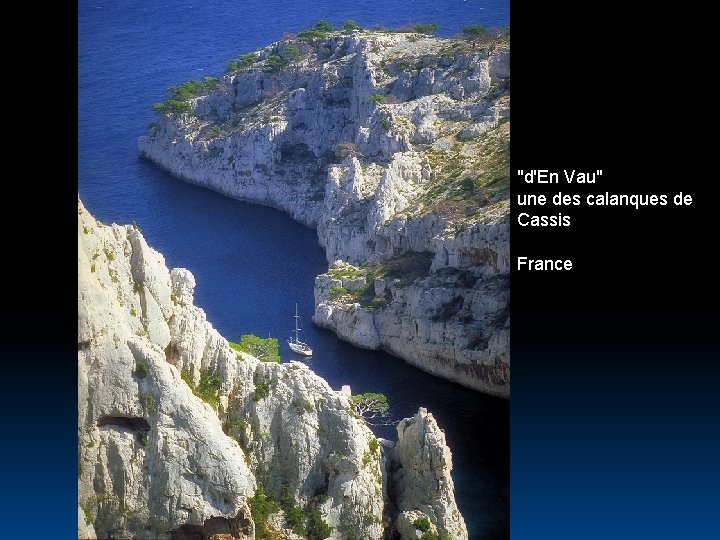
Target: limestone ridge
389,144
420,466
156,461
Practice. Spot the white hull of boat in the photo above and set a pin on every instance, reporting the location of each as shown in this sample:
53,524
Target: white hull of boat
300,348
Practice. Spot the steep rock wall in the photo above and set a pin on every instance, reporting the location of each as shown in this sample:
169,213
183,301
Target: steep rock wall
156,461
357,136
421,464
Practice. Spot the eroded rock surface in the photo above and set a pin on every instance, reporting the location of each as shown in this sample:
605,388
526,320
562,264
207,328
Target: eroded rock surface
389,144
158,462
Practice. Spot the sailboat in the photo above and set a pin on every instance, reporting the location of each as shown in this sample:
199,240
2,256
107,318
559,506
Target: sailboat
295,344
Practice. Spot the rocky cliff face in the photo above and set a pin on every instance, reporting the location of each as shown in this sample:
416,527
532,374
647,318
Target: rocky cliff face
156,461
388,144
452,323
422,486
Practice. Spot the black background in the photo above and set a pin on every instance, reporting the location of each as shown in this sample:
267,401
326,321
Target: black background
621,92
614,364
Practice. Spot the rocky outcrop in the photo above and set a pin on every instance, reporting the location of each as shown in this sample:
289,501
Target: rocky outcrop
152,456
452,321
161,458
423,488
387,143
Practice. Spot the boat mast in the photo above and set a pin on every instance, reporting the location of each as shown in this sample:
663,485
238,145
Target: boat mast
297,329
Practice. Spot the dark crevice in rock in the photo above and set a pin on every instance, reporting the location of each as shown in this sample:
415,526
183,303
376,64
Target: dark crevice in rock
391,510
501,318
131,423
172,354
467,279
238,528
449,309
297,153
479,343
322,489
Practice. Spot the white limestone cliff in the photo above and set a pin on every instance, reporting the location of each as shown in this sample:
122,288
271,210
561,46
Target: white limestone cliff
421,463
155,460
152,456
357,135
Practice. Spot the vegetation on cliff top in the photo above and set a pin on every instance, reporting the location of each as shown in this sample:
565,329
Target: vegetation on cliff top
429,28
241,62
374,408
319,30
350,25
264,349
469,176
405,269
465,179
307,521
423,525
181,94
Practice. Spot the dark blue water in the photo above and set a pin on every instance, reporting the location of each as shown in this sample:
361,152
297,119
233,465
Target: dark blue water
253,263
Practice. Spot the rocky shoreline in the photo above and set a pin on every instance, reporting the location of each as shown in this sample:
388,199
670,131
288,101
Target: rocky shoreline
390,145
157,460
